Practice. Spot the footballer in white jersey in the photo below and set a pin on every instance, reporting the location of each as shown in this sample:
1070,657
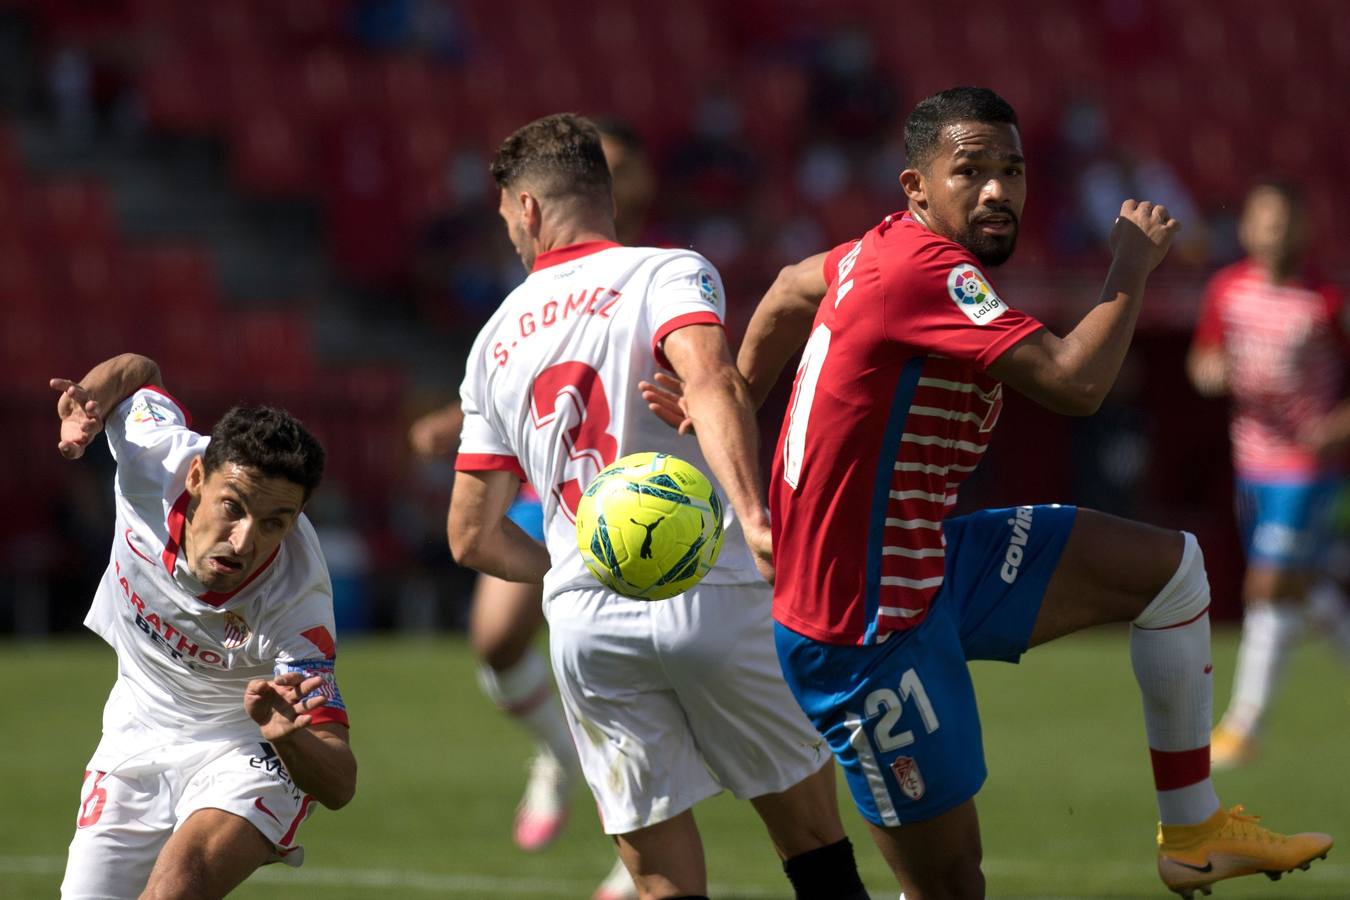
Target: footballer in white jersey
668,702
218,604
548,391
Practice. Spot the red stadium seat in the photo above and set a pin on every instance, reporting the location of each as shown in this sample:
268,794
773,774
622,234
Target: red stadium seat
168,279
271,155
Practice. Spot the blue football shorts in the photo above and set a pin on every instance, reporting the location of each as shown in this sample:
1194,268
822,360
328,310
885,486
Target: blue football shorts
528,512
900,715
1286,524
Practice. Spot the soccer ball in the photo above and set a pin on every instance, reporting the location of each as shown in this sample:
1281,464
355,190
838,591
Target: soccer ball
649,526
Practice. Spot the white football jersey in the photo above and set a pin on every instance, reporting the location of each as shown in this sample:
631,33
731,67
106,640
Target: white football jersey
184,655
551,387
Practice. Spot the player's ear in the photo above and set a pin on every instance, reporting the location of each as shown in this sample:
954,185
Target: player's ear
912,183
530,214
196,477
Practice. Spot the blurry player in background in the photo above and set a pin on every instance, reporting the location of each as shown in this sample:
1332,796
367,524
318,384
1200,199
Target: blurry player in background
1272,335
669,702
225,722
506,616
881,599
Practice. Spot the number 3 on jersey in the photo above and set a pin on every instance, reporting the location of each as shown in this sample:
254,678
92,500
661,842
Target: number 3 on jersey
588,444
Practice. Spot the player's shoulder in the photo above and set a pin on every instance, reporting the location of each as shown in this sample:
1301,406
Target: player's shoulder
670,258
1233,273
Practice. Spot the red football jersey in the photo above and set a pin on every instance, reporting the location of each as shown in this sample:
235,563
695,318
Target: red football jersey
1286,350
890,412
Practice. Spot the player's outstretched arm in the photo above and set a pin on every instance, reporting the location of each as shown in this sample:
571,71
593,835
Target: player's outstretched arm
1207,368
1072,374
83,404
436,433
718,402
318,757
781,324
483,538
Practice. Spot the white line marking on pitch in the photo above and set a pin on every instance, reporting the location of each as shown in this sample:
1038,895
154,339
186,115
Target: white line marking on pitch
431,882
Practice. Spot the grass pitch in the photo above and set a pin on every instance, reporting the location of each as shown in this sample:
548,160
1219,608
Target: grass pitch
1067,812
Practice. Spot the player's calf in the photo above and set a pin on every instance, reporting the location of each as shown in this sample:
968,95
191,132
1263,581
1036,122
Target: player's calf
826,873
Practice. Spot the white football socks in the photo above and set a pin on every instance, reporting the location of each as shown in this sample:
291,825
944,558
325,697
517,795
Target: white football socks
1329,614
525,692
1269,632
1169,650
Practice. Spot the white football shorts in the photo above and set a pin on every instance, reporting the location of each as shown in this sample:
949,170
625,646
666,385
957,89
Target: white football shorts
128,811
671,701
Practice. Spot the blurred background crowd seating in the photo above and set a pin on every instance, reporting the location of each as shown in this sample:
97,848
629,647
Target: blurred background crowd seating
288,200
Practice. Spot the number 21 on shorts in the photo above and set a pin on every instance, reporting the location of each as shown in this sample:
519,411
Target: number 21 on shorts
886,707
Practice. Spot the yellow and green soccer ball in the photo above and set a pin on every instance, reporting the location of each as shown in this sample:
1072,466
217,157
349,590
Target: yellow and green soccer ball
649,526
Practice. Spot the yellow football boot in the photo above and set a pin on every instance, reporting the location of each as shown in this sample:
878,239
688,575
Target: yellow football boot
1228,844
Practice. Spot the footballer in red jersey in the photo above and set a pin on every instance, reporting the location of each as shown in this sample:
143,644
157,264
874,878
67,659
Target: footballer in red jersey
880,599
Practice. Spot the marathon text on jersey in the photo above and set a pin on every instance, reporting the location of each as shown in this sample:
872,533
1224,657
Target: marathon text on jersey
164,636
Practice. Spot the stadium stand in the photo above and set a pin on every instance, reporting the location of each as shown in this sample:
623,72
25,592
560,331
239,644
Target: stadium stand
775,126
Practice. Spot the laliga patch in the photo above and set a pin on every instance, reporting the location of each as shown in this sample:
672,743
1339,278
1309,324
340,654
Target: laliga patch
906,772
143,411
309,668
973,295
707,286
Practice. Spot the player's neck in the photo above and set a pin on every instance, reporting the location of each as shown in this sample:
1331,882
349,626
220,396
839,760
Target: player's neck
578,231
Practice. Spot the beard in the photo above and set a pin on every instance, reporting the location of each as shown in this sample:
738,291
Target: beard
990,249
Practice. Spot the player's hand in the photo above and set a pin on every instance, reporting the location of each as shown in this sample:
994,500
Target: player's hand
435,434
81,417
279,706
760,540
1143,233
665,397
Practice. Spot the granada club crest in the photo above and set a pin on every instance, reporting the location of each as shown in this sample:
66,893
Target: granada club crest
906,772
973,295
236,631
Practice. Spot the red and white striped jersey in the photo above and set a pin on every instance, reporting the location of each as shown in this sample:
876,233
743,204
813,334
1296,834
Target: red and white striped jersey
184,654
1286,348
890,412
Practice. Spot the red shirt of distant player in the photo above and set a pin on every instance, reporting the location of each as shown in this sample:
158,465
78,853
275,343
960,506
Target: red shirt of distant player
1286,347
890,412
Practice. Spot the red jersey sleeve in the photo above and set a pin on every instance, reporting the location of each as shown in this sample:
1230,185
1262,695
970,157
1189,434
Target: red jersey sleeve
831,267
939,300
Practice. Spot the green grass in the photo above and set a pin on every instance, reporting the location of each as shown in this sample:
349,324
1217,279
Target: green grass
1067,812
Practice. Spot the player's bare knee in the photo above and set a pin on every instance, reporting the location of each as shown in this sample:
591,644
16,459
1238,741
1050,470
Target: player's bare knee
1185,596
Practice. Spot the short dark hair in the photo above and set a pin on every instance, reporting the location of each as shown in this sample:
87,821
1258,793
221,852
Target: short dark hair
267,439
924,126
561,154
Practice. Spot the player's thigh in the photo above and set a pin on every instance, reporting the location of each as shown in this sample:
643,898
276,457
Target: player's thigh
1110,570
936,858
121,825
900,717
210,854
632,734
716,644
504,619
248,781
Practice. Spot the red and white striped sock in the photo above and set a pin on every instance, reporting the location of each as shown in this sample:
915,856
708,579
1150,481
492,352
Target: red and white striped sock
525,692
1169,650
